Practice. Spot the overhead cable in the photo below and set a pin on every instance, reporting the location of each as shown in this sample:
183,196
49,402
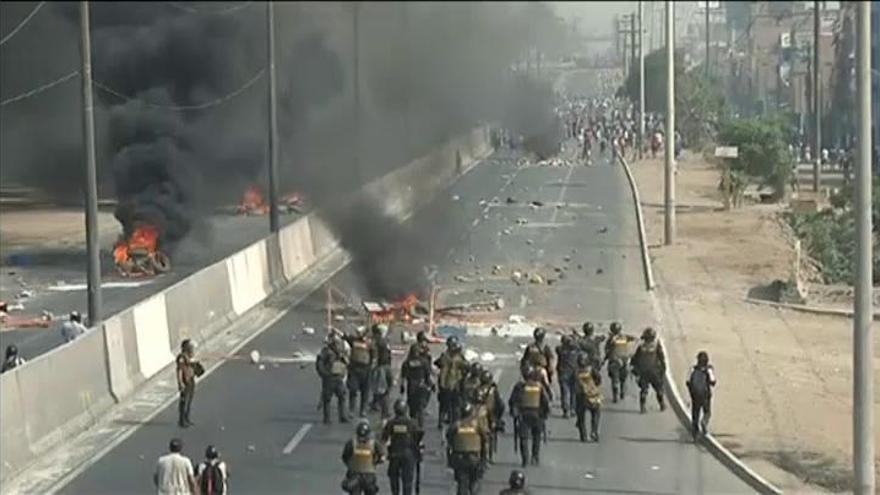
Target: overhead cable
22,23
39,89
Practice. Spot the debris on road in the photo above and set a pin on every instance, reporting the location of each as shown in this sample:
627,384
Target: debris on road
529,242
255,356
599,271
308,330
25,294
516,276
522,221
506,231
496,269
510,200
456,197
603,230
538,204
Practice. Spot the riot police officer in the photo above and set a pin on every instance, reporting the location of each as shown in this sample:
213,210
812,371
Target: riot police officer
359,369
539,356
566,365
471,382
588,397
453,367
494,405
382,378
529,405
416,382
649,365
516,484
404,439
590,344
617,355
466,450
361,455
332,364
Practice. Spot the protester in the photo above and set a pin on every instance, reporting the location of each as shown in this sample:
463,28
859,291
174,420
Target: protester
174,472
212,474
700,383
12,359
73,327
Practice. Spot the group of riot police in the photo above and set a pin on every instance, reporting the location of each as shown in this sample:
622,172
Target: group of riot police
470,406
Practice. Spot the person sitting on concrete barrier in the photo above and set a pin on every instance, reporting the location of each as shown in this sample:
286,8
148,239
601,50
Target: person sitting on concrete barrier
700,383
12,359
73,327
174,472
213,474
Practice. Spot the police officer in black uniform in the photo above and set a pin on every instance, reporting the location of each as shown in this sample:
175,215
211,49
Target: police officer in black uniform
453,366
529,405
539,356
382,378
588,397
404,439
494,405
416,378
590,344
361,455
359,369
466,451
649,365
566,365
617,356
471,382
332,364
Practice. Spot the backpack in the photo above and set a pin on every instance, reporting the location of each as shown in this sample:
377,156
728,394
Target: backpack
211,480
699,385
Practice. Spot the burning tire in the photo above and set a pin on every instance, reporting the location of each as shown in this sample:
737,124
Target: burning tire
161,262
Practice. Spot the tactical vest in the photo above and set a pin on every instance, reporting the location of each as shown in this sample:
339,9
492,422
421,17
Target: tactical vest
400,437
383,353
620,347
469,388
362,461
450,375
589,387
536,356
467,439
337,367
648,358
490,400
416,369
483,416
530,398
360,352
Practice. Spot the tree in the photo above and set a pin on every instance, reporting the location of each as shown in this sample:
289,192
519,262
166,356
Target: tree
763,150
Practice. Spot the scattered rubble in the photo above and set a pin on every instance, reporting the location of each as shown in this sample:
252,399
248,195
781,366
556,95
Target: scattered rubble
522,221
599,271
536,279
506,231
308,330
496,269
255,356
603,230
516,276
538,204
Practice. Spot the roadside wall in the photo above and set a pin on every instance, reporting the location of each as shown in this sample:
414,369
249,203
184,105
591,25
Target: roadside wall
63,392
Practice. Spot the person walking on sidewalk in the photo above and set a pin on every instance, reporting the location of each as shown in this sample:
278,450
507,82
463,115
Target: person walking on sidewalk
700,383
174,472
212,474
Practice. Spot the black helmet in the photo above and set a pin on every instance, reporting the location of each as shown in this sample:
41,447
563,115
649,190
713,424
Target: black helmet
11,351
615,327
486,377
649,334
476,368
539,333
566,340
452,342
702,358
517,479
186,345
75,316
583,359
467,409
363,430
588,328
211,452
531,373
422,337
400,407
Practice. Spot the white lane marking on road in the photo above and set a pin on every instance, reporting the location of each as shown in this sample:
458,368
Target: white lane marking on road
297,438
105,285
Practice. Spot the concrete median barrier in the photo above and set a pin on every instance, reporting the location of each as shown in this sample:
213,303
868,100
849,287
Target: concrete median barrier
52,397
59,394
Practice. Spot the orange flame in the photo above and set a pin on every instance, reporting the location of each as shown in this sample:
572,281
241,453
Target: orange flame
398,311
253,202
145,236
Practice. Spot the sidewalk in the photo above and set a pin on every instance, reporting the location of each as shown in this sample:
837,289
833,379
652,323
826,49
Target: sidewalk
784,378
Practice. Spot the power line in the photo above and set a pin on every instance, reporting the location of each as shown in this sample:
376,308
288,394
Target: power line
218,101
190,10
22,23
39,89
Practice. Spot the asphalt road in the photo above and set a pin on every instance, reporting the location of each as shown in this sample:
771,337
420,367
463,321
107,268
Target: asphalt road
229,233
252,415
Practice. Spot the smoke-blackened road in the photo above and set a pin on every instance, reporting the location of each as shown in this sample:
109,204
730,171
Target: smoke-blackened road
252,414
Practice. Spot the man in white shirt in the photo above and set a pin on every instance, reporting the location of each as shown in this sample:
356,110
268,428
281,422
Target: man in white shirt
73,327
174,472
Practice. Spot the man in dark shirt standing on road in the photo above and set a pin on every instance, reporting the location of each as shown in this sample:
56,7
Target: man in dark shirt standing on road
187,371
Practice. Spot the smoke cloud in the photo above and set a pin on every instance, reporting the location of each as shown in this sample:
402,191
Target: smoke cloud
428,71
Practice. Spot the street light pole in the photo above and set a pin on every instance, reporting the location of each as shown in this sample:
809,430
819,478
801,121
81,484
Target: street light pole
669,196
93,273
708,30
863,352
817,103
641,82
356,91
273,121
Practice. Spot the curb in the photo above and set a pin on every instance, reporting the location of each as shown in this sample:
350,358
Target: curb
845,313
718,451
640,218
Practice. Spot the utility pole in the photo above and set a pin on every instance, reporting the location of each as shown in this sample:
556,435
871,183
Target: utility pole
863,352
273,121
93,272
407,68
669,199
632,39
641,81
708,32
817,103
356,91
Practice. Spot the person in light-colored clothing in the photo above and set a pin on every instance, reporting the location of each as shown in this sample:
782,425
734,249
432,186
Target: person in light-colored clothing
73,327
174,472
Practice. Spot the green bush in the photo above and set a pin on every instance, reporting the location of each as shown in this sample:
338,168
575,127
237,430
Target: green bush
763,150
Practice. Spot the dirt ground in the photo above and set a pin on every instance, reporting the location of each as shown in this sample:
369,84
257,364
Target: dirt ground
783,401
